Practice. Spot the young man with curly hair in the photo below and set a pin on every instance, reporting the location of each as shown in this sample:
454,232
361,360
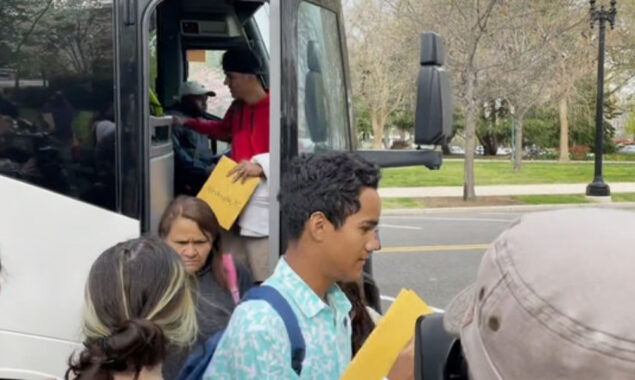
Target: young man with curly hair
330,206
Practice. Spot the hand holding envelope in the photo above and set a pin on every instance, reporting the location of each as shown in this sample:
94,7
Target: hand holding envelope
393,332
227,197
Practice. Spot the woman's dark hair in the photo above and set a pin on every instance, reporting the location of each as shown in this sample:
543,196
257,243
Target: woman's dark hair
199,212
326,182
361,322
137,301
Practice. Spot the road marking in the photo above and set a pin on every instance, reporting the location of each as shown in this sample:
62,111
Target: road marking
434,248
502,213
399,226
392,299
453,219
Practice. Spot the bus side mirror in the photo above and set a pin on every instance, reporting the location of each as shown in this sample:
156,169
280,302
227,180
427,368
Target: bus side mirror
433,113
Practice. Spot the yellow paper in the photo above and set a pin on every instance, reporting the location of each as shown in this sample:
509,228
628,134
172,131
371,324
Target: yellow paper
226,198
390,336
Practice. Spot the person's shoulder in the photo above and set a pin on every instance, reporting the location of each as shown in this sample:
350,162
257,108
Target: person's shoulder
255,316
179,131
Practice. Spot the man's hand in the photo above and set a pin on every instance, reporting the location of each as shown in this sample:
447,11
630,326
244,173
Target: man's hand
244,170
179,120
404,366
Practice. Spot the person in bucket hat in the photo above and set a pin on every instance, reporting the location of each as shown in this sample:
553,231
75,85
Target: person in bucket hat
553,299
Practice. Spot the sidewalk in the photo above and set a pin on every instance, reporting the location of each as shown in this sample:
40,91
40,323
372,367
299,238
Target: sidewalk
498,190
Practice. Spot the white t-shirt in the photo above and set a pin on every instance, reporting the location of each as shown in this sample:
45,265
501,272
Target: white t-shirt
103,128
254,220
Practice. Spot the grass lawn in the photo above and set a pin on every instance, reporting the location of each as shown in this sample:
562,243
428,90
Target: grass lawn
623,197
400,203
502,173
551,199
404,203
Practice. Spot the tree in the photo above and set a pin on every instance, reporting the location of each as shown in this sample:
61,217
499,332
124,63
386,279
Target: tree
492,127
380,62
541,126
362,120
574,60
76,32
404,121
465,26
526,63
583,115
18,22
629,127
620,49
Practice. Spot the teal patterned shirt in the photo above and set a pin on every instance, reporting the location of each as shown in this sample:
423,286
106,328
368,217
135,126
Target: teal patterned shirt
256,345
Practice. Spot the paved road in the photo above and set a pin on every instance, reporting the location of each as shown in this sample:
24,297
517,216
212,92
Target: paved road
435,255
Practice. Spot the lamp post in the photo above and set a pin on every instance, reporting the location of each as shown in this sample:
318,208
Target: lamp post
598,188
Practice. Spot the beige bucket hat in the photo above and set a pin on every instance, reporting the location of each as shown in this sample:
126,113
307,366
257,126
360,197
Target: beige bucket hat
554,298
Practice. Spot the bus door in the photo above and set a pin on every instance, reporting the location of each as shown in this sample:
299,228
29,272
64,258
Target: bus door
183,40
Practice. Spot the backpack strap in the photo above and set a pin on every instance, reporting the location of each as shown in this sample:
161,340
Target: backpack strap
282,307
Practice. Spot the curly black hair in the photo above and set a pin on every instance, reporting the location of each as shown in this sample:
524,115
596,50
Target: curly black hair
326,182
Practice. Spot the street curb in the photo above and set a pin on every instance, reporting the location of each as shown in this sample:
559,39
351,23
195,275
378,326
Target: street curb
520,208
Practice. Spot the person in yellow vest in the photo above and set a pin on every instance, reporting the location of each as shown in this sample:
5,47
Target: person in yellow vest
156,109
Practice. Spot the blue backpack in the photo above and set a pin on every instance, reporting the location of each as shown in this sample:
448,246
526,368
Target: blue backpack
198,361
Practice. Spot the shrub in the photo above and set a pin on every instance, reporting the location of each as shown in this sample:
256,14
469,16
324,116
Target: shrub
579,152
400,144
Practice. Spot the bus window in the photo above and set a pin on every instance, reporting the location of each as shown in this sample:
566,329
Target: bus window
204,66
57,122
322,119
261,17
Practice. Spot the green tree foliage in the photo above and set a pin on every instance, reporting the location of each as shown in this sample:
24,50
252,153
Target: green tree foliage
630,124
493,126
542,127
19,20
363,124
403,119
582,131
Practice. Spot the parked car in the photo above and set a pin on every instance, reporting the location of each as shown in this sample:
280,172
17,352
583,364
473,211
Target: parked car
503,151
455,149
627,149
480,150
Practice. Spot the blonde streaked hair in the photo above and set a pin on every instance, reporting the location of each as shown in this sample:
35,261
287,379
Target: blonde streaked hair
138,300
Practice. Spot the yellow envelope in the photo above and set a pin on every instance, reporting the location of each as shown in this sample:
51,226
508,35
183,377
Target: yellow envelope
390,336
226,199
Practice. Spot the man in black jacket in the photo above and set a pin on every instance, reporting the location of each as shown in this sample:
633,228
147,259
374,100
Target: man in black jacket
194,159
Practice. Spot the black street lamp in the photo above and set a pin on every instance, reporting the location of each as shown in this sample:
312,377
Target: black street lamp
598,187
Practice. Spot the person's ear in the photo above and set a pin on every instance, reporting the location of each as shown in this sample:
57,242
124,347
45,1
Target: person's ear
318,226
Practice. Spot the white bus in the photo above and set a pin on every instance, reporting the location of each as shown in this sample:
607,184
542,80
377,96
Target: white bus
63,200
